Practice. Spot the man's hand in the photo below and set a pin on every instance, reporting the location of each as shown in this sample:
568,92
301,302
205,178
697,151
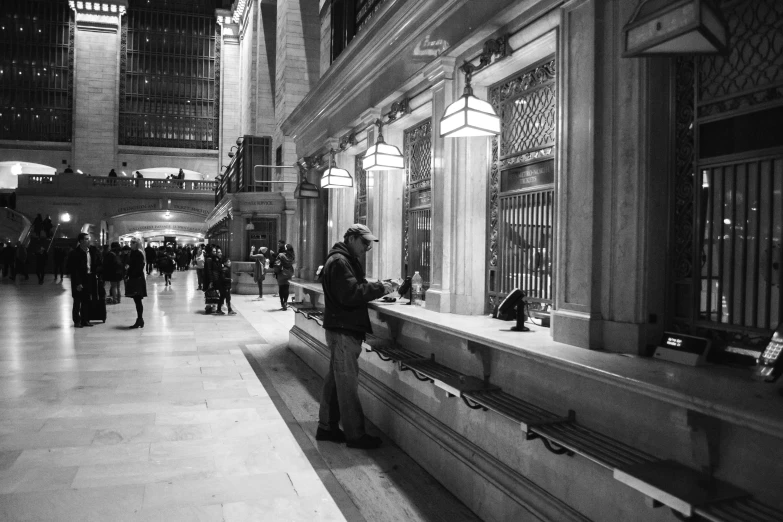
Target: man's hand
387,287
78,288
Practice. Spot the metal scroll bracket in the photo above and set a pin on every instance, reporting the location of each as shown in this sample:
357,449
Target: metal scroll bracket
484,353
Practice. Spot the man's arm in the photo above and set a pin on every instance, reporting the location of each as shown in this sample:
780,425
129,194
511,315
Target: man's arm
347,289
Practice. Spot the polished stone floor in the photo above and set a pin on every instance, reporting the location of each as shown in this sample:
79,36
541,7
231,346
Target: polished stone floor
193,418
169,422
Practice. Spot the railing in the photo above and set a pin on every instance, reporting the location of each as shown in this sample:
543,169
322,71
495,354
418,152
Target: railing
36,179
33,180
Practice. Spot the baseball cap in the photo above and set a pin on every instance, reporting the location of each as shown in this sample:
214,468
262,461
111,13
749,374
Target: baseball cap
357,229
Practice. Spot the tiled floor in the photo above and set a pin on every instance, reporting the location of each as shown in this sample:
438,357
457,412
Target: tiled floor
168,422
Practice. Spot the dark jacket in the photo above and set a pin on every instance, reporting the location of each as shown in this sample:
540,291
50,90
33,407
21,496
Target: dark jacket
284,268
113,267
347,292
136,264
213,272
77,266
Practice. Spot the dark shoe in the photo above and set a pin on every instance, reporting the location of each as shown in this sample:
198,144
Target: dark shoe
77,325
88,325
231,312
333,435
220,312
365,442
138,324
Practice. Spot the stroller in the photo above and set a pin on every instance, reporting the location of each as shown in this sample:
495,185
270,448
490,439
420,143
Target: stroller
211,300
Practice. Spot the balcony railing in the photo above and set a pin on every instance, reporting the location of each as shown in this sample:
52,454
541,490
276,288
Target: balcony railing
71,181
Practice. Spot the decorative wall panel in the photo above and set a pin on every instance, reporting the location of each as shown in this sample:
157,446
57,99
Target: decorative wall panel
36,70
728,213
170,76
521,186
417,145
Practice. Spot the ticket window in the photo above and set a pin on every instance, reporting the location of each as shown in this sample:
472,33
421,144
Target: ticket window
264,234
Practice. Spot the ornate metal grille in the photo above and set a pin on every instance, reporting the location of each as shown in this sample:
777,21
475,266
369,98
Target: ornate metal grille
521,221
360,207
417,144
36,64
728,210
752,72
170,76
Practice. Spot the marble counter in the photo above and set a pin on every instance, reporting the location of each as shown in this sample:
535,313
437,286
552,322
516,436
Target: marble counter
723,392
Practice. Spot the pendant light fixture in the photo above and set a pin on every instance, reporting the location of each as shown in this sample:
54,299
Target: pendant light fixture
335,177
469,115
675,27
382,156
305,189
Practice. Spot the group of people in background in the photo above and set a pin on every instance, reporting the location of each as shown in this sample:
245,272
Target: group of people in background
282,263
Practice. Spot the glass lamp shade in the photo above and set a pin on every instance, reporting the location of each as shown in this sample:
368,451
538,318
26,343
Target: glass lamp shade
382,156
469,116
306,190
336,178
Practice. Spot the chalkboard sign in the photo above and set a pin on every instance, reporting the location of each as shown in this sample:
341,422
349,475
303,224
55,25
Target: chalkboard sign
528,176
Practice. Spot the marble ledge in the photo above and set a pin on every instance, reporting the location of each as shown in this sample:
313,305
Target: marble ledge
719,391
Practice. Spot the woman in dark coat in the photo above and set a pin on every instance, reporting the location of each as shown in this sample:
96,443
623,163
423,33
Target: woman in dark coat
284,271
135,284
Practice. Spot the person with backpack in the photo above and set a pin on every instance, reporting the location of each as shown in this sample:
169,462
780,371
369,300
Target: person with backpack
284,271
113,272
166,265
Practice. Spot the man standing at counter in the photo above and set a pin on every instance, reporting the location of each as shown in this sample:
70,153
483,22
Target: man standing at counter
346,322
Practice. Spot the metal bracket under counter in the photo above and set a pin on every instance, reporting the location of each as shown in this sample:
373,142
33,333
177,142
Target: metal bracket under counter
684,491
694,493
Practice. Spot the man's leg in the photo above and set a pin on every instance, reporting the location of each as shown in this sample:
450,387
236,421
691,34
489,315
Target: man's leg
347,349
329,412
76,310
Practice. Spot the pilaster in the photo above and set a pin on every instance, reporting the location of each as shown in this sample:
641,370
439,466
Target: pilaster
230,101
441,72
577,317
96,86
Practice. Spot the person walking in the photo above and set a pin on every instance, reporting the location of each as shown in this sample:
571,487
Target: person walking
210,274
149,255
284,271
21,261
113,271
8,259
224,287
37,225
259,269
60,255
198,260
346,323
81,268
135,284
166,265
41,256
48,226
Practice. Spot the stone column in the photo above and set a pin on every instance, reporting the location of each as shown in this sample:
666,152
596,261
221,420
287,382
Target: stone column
441,72
230,101
577,316
96,88
264,74
611,213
